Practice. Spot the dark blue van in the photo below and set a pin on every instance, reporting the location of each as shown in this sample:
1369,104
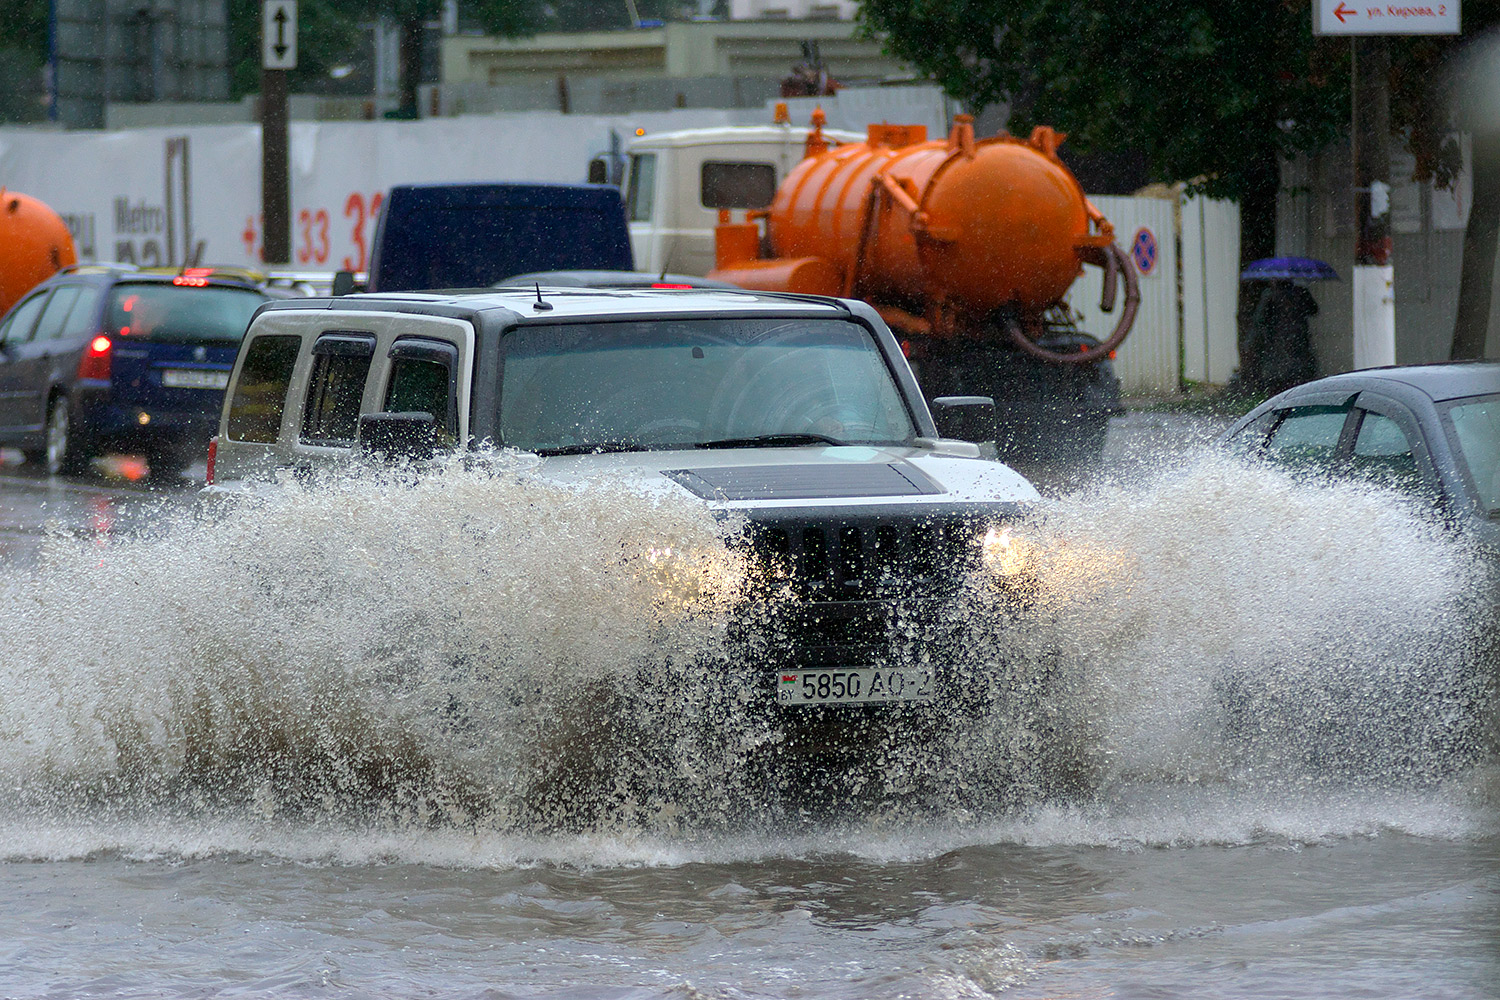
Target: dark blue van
102,358
473,235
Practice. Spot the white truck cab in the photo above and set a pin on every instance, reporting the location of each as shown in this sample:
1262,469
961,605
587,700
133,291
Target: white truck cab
676,183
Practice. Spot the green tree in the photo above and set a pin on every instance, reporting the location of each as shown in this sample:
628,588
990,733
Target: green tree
1213,93
25,24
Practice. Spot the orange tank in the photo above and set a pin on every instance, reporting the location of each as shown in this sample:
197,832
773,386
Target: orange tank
34,245
939,235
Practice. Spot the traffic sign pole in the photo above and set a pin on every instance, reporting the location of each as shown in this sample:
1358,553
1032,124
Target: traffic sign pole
1369,129
1374,270
278,54
275,180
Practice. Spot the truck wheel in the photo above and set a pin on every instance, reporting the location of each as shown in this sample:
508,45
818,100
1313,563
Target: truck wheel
63,454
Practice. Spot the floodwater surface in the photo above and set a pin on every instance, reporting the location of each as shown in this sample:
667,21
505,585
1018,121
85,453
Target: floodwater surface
377,737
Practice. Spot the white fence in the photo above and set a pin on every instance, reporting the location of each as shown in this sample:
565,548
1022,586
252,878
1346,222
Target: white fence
1186,252
192,195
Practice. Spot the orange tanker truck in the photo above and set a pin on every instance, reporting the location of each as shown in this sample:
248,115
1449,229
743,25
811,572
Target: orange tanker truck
34,245
967,248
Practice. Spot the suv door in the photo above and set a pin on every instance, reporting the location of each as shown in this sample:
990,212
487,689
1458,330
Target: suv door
423,377
19,367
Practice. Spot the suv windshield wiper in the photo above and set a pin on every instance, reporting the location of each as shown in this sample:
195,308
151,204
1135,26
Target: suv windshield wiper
770,441
593,448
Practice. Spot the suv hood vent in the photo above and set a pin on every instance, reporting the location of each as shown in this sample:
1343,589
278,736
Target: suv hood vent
804,482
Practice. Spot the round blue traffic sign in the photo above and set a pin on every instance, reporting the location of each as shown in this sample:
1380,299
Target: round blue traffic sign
1143,249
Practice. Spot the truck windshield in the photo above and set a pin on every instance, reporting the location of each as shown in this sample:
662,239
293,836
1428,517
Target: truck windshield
685,383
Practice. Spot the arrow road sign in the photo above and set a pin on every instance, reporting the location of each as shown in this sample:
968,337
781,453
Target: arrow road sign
1403,17
278,34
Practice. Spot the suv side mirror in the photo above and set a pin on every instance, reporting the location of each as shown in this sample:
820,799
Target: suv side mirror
344,282
412,435
966,418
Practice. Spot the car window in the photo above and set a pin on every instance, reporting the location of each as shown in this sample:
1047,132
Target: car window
1251,437
22,321
1308,436
54,318
689,382
737,185
422,381
160,312
84,316
1383,454
641,196
1476,429
341,364
259,397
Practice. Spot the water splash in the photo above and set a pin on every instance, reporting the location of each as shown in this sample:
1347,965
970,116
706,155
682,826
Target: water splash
400,666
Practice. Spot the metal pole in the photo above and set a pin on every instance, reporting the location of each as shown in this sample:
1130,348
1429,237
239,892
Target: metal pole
275,193
1374,271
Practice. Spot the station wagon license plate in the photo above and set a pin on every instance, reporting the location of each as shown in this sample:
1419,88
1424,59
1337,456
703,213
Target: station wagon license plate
187,378
854,686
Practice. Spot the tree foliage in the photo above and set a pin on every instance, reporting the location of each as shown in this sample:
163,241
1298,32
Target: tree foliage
1216,94
25,24
1208,92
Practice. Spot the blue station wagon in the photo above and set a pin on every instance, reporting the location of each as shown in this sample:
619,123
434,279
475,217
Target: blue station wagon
105,358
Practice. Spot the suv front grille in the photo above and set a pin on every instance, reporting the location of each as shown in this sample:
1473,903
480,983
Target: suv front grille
841,560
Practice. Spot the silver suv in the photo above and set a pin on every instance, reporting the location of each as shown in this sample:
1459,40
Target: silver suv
799,414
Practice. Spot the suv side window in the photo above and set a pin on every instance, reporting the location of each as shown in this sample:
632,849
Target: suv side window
260,395
54,318
1308,437
18,328
341,364
424,379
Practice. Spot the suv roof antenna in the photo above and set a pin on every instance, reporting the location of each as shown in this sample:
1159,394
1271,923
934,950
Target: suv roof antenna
539,305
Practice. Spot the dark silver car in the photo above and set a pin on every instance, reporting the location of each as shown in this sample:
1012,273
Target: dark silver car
1432,431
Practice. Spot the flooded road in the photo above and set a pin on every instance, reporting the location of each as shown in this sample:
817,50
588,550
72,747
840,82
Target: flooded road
315,751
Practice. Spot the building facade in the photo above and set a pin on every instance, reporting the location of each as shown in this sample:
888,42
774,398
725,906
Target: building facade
139,51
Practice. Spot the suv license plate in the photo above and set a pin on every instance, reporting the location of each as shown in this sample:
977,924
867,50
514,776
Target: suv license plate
177,378
857,686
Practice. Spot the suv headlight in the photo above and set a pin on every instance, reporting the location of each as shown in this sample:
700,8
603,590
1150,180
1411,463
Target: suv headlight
1006,554
694,579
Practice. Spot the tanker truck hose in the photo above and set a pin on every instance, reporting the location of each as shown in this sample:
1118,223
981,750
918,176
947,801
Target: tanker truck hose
1113,260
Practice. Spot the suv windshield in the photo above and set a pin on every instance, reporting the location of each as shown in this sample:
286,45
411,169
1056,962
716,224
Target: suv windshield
180,314
1476,427
697,382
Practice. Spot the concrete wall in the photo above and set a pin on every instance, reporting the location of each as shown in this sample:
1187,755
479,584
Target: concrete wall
745,10
763,49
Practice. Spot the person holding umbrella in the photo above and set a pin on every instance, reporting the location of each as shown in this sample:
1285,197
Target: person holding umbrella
1275,344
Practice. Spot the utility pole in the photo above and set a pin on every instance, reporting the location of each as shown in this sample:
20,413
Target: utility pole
1369,29
1374,269
278,54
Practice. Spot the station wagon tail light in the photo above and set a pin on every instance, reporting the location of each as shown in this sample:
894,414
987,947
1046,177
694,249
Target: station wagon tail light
95,361
213,455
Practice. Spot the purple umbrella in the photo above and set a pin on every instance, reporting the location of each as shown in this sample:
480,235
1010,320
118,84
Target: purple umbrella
1297,268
